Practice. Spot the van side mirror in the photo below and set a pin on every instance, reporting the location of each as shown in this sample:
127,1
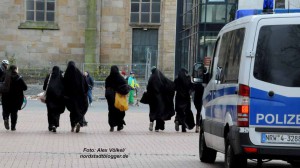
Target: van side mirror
199,73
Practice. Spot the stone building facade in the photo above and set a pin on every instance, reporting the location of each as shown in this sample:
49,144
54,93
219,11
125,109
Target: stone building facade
40,32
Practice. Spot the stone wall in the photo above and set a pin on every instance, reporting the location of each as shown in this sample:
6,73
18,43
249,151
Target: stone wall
39,47
32,47
116,34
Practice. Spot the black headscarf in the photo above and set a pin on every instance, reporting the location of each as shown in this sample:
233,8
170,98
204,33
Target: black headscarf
56,87
114,80
183,83
74,80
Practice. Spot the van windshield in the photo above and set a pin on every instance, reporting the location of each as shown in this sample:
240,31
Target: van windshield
277,58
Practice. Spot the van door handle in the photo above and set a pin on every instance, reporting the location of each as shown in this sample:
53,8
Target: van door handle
271,93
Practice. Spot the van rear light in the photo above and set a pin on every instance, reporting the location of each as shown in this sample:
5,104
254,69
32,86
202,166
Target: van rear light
244,90
243,106
243,115
250,150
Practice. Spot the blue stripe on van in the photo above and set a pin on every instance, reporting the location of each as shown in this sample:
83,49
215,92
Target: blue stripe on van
219,93
264,110
273,111
219,112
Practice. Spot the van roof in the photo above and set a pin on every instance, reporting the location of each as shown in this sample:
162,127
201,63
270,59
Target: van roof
256,18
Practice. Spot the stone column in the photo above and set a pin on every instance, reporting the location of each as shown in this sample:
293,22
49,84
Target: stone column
91,32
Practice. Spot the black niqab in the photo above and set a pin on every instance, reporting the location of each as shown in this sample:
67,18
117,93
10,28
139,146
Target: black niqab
74,81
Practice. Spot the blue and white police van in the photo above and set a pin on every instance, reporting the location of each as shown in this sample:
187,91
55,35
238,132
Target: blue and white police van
251,104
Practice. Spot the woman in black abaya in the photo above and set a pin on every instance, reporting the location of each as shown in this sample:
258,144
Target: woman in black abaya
160,91
55,98
76,90
115,83
184,114
13,99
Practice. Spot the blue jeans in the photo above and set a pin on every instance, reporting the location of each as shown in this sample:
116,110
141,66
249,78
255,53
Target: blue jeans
90,97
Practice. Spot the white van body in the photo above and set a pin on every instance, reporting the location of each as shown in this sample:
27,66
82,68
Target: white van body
251,104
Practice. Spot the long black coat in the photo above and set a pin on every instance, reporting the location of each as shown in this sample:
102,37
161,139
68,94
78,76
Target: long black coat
13,99
161,92
76,89
55,92
115,83
182,100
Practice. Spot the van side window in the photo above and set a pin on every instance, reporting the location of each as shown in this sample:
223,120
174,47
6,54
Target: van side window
213,59
230,56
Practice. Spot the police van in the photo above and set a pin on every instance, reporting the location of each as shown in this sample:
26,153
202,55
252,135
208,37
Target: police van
251,104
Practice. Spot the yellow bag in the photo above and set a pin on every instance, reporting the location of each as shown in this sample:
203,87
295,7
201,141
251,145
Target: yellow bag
121,102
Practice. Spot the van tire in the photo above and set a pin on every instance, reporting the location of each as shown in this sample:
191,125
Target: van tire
232,160
295,163
206,155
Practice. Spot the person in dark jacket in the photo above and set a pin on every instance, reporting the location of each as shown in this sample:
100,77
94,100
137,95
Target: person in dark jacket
160,92
115,83
13,99
198,93
76,90
184,114
55,97
90,82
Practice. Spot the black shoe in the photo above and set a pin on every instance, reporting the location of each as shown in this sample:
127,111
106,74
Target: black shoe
53,129
50,128
176,125
111,129
77,127
120,128
183,129
13,128
6,124
72,129
85,124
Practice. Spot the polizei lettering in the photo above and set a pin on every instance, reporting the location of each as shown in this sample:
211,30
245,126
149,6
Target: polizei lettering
276,119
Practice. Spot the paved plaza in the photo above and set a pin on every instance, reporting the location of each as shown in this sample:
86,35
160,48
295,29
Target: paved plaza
32,145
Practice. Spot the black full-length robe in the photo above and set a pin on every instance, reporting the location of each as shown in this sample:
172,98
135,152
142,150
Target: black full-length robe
115,83
76,90
55,96
183,110
13,99
160,92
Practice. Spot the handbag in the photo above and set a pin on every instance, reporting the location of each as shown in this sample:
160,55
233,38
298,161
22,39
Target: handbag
43,95
121,102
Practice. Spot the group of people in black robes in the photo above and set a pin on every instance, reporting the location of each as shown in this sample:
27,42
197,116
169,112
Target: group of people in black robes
160,94
68,91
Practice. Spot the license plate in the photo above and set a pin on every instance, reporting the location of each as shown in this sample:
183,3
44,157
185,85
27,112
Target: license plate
280,138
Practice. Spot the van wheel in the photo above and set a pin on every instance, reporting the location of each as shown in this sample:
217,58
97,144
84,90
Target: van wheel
295,163
206,154
232,160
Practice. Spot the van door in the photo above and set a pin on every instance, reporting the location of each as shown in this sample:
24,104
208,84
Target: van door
208,97
275,83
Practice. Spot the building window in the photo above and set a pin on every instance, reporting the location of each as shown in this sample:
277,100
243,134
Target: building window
145,11
40,10
145,46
